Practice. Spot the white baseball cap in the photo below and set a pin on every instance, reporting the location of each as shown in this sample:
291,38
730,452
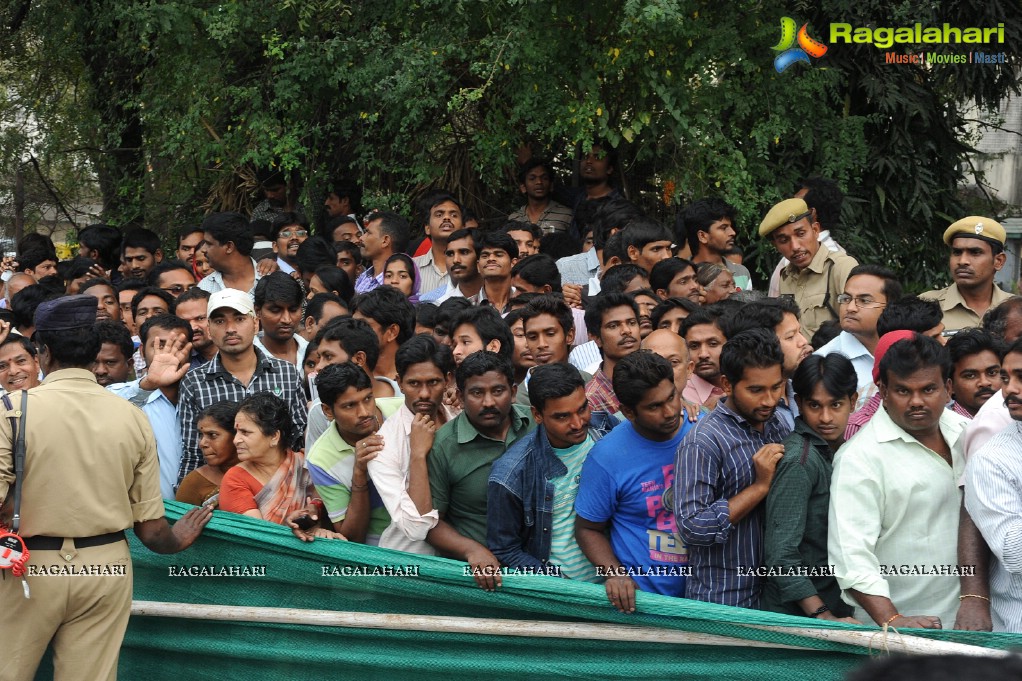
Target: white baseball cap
232,298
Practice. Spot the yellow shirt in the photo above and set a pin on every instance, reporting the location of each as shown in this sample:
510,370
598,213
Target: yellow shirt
809,286
958,315
90,464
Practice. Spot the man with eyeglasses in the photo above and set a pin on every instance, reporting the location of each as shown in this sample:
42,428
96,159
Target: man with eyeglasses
172,276
865,296
287,232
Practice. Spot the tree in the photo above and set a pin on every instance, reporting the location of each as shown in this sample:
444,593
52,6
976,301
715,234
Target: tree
179,101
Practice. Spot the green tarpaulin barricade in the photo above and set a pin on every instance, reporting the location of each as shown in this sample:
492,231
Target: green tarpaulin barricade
264,565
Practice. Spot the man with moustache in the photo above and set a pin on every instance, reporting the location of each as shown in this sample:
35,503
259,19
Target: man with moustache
191,307
702,333
399,472
444,218
19,364
673,348
613,322
895,499
815,276
465,279
462,456
976,372
724,470
977,254
993,498
236,371
867,292
287,232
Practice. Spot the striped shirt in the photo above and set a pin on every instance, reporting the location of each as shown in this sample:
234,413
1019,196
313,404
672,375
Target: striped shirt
211,383
860,418
993,497
714,463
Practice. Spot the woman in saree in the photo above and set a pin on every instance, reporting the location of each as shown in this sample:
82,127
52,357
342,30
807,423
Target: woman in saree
271,481
216,442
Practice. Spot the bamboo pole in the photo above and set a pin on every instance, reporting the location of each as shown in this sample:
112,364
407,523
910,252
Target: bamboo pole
442,624
542,629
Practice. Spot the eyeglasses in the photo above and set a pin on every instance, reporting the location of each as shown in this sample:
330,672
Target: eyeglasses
177,289
860,301
287,233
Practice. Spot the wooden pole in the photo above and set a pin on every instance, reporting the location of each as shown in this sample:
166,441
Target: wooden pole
540,629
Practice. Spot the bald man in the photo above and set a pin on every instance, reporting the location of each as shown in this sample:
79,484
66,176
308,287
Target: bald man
673,348
17,282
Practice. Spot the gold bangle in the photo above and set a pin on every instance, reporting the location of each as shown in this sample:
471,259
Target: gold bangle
973,596
893,617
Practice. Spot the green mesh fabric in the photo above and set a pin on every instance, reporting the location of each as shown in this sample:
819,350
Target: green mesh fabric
170,648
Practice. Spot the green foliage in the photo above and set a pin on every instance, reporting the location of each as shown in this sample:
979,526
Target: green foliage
175,102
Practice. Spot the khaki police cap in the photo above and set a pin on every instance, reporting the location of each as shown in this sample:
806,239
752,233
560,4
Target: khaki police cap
976,227
786,212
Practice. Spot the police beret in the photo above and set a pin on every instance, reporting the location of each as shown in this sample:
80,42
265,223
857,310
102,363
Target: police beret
978,228
786,212
64,314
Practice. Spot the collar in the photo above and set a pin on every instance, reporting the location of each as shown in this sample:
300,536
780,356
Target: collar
284,266
803,429
70,374
738,418
817,264
951,427
467,432
851,347
952,297
213,367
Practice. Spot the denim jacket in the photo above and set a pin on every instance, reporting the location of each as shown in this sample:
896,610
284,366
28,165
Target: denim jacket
520,498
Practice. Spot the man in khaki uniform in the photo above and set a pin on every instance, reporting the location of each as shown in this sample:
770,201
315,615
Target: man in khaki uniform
815,276
977,252
90,472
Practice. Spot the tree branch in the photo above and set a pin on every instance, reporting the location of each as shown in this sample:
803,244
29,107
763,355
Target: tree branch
51,190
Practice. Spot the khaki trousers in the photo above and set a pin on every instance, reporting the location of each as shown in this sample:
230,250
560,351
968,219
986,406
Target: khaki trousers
83,615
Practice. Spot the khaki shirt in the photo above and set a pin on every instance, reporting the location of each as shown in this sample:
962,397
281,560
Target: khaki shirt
809,286
90,464
958,315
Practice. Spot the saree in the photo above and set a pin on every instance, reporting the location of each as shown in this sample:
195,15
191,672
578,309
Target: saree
286,490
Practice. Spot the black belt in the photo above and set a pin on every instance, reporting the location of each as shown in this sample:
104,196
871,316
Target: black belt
40,543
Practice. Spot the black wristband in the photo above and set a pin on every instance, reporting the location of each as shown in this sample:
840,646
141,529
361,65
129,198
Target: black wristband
819,611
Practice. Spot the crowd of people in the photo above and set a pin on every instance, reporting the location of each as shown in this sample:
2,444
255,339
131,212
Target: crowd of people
577,391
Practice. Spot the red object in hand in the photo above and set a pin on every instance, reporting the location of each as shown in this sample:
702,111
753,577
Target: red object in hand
13,553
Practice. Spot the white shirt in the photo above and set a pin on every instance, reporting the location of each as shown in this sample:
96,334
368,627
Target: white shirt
850,346
303,347
390,474
993,497
894,503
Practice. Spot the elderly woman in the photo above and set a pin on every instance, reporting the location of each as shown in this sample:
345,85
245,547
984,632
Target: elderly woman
401,273
271,481
717,281
216,442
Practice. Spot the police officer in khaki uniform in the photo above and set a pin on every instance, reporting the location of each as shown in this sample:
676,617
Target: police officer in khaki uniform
977,252
90,473
815,276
